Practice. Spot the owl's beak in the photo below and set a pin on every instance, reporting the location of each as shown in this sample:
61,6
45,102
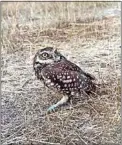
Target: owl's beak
54,53
54,50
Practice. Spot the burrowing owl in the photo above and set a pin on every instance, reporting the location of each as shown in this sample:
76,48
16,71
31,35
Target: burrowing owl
63,76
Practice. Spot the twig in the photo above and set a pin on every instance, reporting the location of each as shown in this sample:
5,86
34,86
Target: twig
93,108
81,138
9,138
27,81
44,142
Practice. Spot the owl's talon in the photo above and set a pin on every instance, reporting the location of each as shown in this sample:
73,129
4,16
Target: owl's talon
52,108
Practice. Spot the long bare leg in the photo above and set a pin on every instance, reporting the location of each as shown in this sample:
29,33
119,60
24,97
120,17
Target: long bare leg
61,102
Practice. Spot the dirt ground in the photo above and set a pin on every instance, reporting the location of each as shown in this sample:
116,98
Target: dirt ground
94,46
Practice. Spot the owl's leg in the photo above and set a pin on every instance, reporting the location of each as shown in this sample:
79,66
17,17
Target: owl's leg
61,102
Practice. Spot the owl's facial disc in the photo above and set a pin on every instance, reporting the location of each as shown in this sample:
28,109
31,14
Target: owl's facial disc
48,55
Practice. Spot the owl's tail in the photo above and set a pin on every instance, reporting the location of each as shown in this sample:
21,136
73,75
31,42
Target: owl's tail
92,88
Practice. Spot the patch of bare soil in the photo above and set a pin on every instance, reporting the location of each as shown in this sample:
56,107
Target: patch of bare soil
96,49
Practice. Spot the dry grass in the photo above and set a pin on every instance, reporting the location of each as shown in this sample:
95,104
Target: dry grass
89,35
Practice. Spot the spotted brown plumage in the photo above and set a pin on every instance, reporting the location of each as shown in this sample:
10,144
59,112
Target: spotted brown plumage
61,75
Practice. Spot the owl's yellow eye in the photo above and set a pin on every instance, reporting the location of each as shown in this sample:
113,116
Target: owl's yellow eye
45,54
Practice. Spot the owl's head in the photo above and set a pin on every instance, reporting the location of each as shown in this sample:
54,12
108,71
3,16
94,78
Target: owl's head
46,56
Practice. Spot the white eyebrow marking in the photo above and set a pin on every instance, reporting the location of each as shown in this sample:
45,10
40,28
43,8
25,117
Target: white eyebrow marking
44,61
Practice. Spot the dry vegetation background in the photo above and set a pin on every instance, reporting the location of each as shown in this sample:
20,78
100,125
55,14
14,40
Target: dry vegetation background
88,33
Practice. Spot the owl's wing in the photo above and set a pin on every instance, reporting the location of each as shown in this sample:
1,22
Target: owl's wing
66,80
74,67
67,65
